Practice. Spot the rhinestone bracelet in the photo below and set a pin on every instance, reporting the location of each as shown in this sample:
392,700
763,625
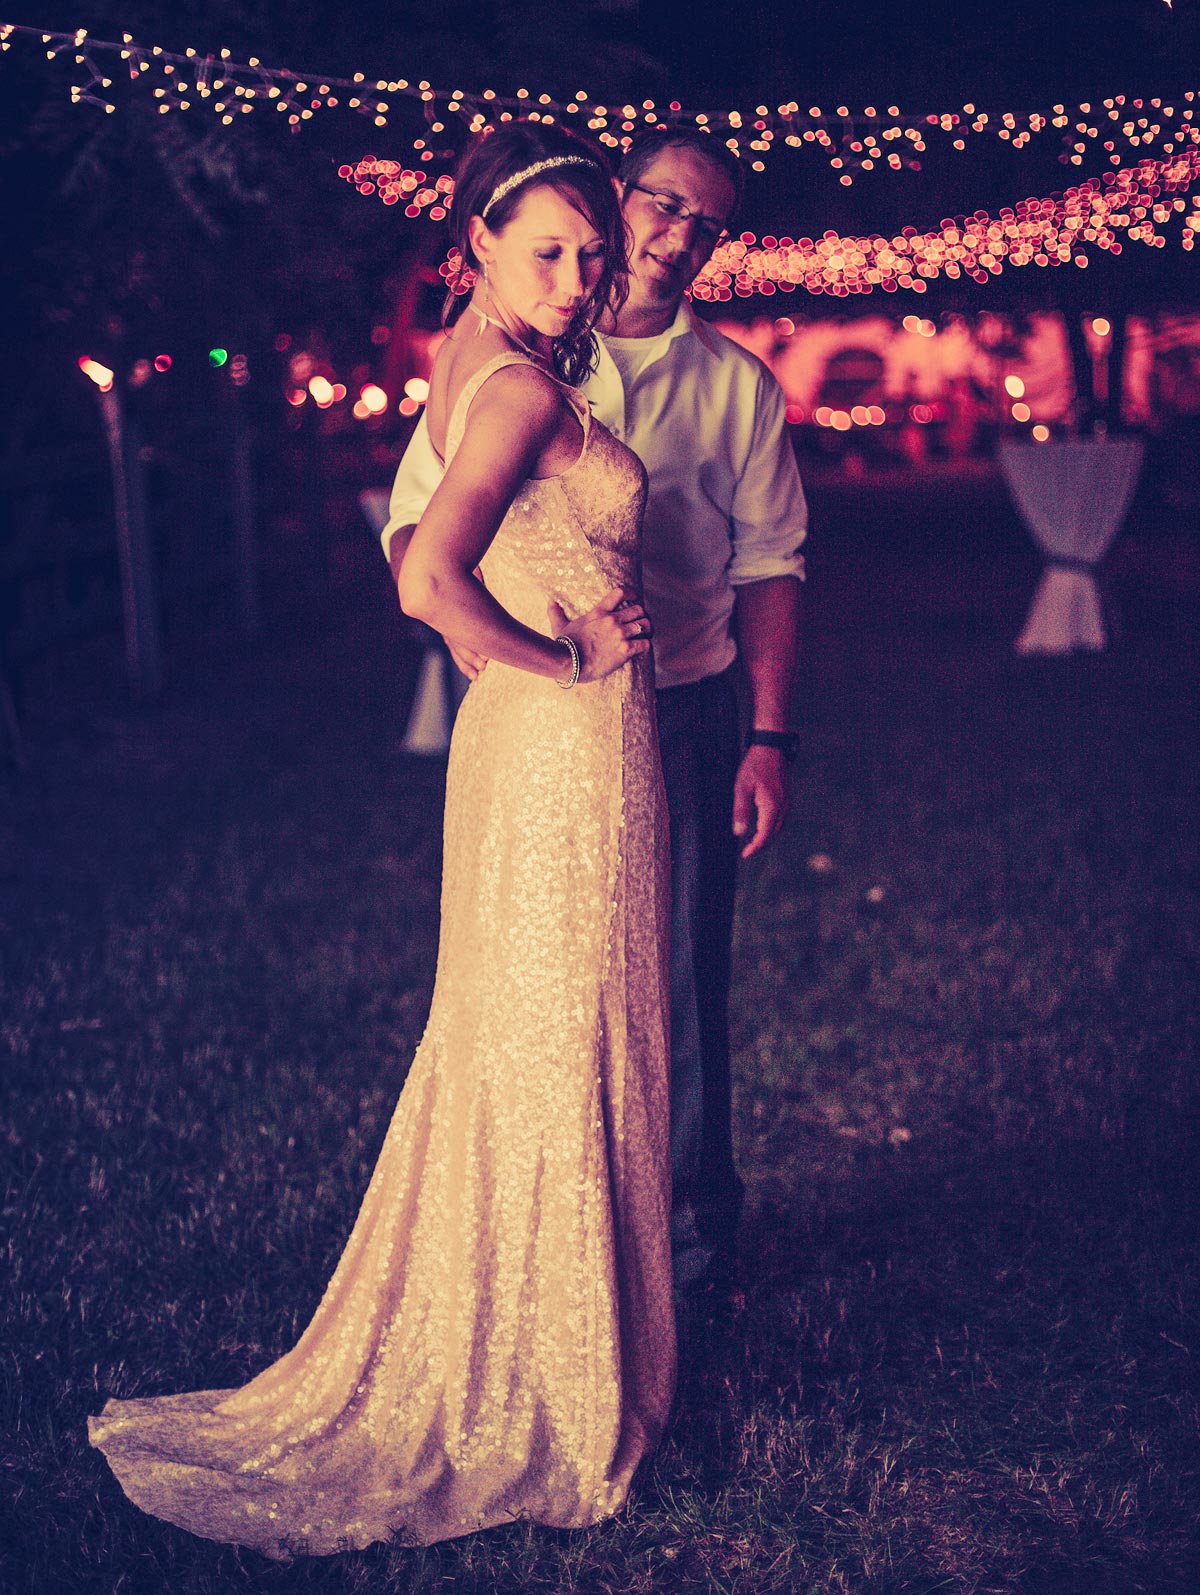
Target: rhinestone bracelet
572,648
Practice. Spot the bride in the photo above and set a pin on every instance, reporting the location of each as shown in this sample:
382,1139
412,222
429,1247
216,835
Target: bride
497,1341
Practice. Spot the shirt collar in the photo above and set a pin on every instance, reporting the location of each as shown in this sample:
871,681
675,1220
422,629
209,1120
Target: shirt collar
686,321
692,323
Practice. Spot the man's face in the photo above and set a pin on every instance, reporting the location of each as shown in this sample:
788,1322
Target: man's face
666,252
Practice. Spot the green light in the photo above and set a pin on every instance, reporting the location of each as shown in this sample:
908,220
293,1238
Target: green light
217,357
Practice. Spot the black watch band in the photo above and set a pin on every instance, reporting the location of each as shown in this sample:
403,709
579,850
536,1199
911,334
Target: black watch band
787,742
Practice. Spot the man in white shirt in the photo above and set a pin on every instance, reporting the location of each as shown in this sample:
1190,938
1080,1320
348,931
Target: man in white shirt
721,569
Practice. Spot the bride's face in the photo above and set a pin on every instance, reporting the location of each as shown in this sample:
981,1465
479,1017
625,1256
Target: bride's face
542,264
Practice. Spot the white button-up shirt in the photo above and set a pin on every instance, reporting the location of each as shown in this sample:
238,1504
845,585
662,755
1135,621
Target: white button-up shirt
725,504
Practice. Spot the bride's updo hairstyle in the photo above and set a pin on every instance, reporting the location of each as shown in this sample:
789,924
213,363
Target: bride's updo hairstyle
482,188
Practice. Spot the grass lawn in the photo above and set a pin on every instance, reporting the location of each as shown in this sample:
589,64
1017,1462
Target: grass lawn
964,1352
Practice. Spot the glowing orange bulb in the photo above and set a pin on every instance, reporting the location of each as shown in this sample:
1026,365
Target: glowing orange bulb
322,391
1041,434
1021,412
1101,327
100,375
373,399
417,388
1014,387
408,406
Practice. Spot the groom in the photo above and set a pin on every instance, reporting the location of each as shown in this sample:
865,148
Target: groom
721,570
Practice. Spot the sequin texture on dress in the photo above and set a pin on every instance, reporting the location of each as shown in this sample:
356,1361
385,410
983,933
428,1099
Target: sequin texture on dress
497,1341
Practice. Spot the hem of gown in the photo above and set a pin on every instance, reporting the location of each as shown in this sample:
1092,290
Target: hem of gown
147,1495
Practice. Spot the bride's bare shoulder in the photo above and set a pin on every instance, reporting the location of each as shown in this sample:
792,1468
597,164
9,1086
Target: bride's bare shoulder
519,387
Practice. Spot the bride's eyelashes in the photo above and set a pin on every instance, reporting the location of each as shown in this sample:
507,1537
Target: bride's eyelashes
591,256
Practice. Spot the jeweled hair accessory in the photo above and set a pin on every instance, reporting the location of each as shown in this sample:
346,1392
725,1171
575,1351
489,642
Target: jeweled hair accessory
517,178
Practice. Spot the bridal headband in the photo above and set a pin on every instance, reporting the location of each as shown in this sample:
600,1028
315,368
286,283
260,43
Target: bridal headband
517,178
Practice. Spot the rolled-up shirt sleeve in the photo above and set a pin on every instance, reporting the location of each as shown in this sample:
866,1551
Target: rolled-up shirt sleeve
769,515
417,478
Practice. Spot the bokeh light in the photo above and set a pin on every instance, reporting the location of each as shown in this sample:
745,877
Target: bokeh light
100,374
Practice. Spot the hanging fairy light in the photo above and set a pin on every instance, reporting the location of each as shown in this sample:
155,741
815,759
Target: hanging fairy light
1135,204
873,138
1102,214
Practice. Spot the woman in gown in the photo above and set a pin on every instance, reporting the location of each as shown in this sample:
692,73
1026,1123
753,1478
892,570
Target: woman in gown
497,1341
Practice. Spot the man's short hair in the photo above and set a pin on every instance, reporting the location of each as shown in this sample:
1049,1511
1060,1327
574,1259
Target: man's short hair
647,147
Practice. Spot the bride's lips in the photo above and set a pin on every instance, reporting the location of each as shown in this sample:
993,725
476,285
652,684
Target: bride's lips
565,312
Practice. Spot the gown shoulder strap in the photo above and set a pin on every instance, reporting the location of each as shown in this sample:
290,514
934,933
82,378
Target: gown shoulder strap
457,423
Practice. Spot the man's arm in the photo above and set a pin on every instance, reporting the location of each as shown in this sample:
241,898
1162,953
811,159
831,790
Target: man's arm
768,524
766,619
417,479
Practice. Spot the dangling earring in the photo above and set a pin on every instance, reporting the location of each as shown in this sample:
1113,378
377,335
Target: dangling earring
484,318
487,294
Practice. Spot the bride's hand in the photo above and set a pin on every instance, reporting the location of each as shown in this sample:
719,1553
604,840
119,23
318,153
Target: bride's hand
608,636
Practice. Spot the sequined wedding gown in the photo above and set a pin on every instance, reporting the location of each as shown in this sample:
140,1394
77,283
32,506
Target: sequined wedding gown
497,1341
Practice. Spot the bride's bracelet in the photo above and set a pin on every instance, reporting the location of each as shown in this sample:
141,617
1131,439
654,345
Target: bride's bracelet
572,648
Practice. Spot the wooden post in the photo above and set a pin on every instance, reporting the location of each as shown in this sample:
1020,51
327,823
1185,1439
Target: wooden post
1116,371
1081,366
245,527
139,599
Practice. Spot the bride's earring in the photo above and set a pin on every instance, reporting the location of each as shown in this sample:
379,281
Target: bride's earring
487,294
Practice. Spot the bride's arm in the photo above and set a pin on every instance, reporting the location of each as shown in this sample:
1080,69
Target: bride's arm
513,421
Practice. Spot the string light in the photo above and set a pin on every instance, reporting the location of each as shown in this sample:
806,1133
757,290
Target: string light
1133,204
850,141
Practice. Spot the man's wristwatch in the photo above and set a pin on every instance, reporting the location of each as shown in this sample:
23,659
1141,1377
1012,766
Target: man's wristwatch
787,742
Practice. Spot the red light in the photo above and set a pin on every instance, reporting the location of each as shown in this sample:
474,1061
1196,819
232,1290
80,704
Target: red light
162,362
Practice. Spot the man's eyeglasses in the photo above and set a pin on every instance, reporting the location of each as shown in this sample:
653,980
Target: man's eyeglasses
710,231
